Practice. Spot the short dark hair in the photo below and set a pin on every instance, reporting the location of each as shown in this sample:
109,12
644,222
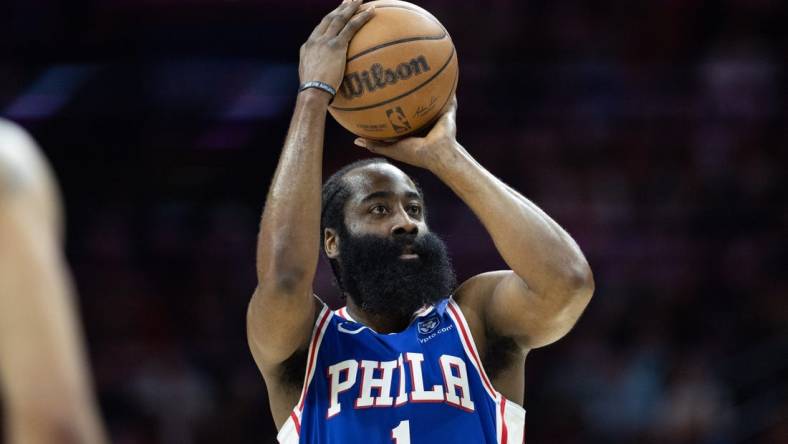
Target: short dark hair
332,213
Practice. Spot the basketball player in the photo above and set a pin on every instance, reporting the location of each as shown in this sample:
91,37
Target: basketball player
43,372
410,358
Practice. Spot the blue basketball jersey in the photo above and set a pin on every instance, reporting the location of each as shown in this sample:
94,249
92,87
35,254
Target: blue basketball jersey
424,385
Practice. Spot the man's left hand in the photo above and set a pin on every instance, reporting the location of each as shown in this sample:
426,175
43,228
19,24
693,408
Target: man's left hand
429,152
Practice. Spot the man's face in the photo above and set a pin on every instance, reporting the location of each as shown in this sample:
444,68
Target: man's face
389,261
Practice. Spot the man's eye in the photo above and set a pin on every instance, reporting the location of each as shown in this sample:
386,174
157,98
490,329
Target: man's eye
379,209
414,209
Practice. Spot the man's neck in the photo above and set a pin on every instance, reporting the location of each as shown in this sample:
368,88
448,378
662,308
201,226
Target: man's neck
379,323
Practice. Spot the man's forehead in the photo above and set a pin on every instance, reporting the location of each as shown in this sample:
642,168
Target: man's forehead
379,177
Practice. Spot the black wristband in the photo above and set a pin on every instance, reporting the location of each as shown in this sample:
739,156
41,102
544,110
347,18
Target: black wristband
319,85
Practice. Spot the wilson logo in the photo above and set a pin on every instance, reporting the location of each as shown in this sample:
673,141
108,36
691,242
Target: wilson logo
356,84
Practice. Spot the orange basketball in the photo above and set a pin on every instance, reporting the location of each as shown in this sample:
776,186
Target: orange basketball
401,72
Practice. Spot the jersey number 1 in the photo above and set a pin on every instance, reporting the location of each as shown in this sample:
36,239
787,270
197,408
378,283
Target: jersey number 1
401,433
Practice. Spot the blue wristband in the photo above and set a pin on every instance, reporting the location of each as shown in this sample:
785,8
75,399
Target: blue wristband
319,85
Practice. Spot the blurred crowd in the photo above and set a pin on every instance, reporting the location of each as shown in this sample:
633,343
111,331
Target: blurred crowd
654,132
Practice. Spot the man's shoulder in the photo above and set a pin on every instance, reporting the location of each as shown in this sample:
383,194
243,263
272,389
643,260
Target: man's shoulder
474,292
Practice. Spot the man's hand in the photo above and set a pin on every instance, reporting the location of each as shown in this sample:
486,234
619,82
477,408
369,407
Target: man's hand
432,151
324,55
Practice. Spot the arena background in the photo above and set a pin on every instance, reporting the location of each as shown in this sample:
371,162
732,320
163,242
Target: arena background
654,131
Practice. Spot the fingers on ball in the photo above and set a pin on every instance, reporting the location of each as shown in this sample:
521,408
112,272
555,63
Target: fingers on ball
341,16
356,23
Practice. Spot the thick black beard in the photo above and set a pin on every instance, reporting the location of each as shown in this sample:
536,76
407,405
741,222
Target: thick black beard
381,283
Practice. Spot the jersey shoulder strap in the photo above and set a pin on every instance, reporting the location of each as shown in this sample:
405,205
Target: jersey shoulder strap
510,416
291,429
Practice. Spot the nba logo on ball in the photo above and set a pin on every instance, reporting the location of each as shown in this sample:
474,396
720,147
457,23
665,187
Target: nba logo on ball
429,325
401,73
398,120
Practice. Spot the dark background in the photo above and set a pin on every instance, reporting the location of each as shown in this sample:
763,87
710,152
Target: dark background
653,131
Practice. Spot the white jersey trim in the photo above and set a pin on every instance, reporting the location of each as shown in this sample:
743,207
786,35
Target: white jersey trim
343,313
514,418
288,434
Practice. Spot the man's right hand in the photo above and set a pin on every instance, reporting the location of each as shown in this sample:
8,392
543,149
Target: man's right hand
324,55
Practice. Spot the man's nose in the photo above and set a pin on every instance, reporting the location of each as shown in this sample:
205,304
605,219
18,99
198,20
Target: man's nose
404,224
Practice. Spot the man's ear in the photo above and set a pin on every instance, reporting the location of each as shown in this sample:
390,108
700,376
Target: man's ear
331,243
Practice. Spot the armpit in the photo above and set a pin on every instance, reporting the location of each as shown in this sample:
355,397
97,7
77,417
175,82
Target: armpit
501,353
293,369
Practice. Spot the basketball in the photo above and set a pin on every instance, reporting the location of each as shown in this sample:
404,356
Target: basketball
401,72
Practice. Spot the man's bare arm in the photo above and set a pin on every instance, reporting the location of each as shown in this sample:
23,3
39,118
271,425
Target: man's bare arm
282,309
550,281
43,370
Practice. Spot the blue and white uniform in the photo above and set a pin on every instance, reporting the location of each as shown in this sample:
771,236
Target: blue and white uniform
424,385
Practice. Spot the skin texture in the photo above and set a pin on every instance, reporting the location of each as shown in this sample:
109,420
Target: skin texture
510,312
45,380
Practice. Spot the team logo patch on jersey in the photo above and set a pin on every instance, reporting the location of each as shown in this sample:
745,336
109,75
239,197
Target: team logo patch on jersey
428,325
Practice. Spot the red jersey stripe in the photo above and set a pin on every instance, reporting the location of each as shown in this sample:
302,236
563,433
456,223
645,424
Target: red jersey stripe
504,431
471,347
312,352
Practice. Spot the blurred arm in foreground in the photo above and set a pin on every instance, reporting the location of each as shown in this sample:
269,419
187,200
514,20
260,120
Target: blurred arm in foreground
44,374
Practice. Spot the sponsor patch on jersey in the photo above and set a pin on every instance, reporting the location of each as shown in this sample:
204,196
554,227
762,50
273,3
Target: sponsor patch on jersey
427,326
